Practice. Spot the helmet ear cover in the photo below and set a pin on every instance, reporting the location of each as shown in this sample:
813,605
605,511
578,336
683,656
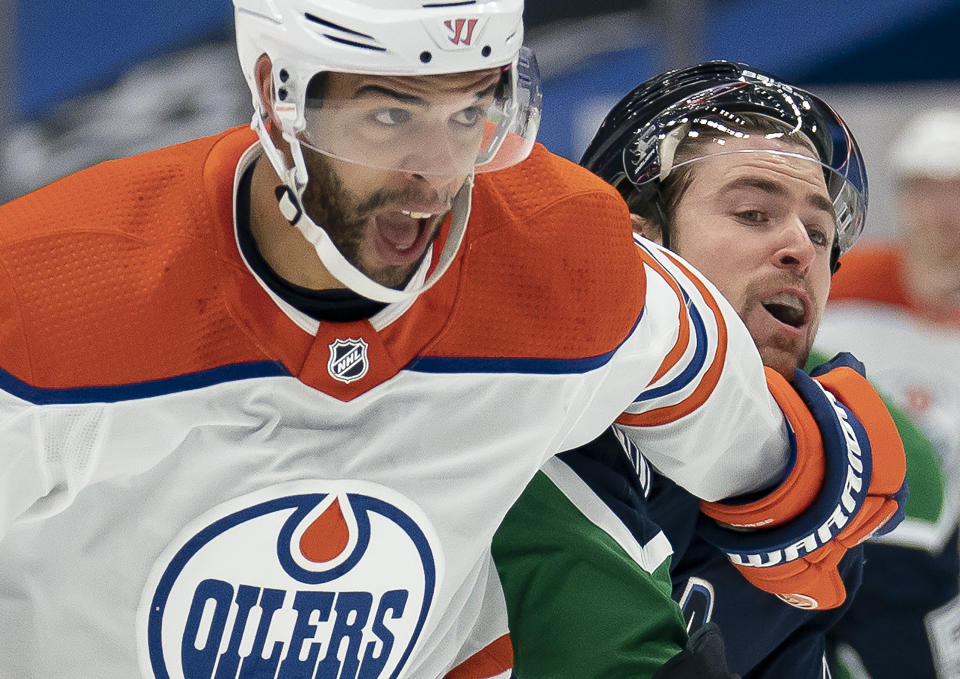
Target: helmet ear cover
652,209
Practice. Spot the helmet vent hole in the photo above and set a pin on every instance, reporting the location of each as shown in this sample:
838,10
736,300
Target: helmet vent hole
486,50
425,57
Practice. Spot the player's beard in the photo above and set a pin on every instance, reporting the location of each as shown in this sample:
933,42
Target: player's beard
782,352
345,217
784,356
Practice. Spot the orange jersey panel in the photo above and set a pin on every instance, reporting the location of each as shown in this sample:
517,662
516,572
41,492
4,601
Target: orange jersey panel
550,269
116,277
871,273
129,271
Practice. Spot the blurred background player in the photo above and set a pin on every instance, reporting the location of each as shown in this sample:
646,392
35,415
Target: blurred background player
758,184
896,304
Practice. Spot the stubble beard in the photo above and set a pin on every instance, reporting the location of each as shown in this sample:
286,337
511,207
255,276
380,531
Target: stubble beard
784,356
344,218
782,353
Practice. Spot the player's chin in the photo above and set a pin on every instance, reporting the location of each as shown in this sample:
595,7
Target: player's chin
784,359
390,275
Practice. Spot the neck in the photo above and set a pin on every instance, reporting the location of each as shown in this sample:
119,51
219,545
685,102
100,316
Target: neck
283,247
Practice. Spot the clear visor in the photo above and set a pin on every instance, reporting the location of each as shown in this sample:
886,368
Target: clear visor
446,125
757,118
847,205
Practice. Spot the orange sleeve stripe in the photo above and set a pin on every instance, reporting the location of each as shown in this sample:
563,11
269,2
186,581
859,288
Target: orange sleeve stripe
490,661
711,377
683,337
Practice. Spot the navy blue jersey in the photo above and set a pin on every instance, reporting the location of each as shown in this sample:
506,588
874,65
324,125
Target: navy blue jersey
916,590
765,637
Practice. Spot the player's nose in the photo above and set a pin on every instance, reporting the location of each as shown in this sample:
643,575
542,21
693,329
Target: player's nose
794,248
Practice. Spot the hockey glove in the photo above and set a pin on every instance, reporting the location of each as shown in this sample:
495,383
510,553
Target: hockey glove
703,658
846,484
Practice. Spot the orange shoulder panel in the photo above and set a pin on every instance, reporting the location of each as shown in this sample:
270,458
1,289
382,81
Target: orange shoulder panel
550,269
491,661
870,273
110,275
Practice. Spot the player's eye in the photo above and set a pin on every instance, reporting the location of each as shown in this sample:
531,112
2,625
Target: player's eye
469,117
752,216
390,116
818,236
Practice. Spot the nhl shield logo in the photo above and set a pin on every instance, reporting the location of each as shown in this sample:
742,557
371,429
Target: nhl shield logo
348,360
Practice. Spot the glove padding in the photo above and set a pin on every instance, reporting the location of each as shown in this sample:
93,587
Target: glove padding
847,483
703,658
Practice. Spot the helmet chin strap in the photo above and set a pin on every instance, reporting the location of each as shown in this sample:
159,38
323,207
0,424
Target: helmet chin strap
290,201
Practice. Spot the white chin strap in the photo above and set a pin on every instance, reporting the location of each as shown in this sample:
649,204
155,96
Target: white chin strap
291,206
359,282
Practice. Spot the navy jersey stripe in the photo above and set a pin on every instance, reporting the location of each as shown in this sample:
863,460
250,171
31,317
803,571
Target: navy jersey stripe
546,366
542,366
693,367
138,390
700,333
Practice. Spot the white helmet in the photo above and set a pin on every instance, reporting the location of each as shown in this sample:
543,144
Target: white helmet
391,38
929,146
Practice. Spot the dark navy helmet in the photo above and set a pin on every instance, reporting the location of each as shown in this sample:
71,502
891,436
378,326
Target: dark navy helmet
682,116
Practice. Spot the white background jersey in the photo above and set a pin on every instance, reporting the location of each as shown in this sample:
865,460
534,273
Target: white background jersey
917,365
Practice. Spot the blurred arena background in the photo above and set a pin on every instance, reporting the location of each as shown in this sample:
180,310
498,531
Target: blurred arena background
89,80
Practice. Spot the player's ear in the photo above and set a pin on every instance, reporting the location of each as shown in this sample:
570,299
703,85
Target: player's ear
646,228
263,72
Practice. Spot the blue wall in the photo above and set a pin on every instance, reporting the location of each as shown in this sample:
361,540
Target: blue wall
68,47
811,43
65,52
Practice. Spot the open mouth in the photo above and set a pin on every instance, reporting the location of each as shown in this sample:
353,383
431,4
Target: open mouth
402,235
787,308
416,215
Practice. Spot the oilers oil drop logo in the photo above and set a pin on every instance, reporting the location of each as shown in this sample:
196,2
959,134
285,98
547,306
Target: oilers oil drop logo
309,579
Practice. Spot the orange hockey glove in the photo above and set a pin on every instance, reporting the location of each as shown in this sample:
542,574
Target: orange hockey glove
846,483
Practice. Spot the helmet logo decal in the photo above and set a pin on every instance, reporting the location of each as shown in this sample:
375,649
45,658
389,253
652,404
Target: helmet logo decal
457,35
348,360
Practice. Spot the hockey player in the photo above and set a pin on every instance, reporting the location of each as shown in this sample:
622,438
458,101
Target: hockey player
899,305
265,397
752,181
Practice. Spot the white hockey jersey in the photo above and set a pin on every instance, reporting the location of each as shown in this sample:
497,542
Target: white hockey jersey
197,481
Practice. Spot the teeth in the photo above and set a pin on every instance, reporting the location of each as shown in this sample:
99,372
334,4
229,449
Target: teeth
787,300
786,308
417,215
